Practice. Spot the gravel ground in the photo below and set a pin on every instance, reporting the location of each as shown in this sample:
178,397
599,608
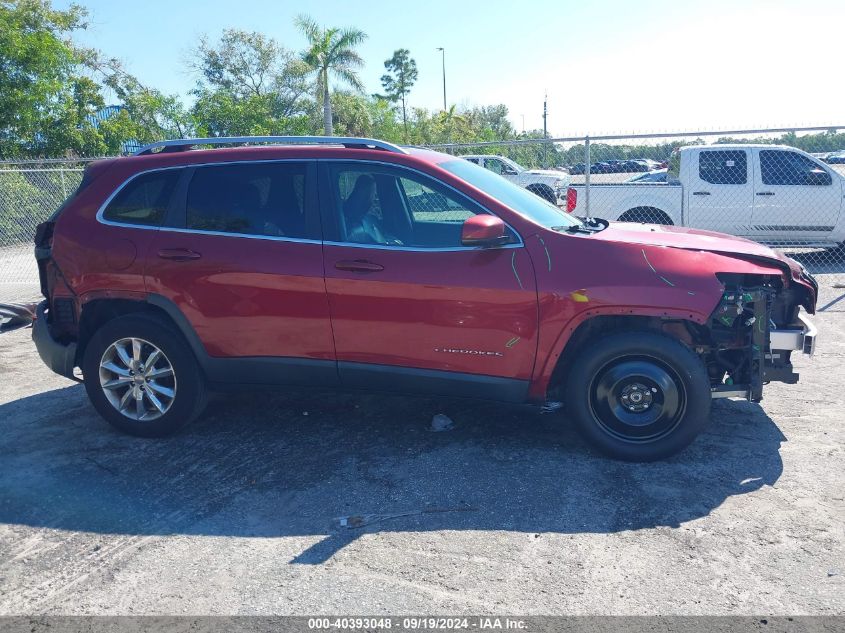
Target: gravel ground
508,512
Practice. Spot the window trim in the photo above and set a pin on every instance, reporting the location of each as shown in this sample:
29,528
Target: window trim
327,206
748,178
181,190
320,162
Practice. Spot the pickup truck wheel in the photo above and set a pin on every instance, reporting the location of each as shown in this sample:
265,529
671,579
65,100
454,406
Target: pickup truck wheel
639,396
648,215
142,377
544,191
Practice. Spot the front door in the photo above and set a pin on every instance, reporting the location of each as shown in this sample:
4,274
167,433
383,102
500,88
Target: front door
797,200
242,260
720,194
412,308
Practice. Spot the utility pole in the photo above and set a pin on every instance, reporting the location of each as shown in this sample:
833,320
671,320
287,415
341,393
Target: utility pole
443,58
545,129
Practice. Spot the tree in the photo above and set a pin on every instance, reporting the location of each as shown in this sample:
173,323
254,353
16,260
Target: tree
397,82
248,85
492,122
147,114
249,64
38,74
331,51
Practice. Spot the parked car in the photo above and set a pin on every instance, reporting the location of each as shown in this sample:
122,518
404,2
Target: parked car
835,159
772,194
547,183
577,169
650,165
658,175
629,166
354,263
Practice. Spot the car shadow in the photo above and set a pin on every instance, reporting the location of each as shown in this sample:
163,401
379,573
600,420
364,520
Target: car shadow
306,463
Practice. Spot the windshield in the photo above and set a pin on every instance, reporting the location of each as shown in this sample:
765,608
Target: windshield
522,201
517,168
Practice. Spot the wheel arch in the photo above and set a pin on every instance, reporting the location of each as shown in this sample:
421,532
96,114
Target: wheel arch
685,326
649,213
98,311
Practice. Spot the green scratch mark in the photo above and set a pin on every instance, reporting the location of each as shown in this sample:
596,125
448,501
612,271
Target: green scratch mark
512,342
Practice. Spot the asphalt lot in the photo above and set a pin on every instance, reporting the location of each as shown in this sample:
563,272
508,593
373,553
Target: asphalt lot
509,512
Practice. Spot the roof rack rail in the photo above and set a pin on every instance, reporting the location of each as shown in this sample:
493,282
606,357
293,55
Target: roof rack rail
182,144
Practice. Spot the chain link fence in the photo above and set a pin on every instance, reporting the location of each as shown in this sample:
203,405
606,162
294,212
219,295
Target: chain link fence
736,182
29,193
756,184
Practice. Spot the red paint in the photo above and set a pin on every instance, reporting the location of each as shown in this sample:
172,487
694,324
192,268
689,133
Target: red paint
571,199
505,312
482,229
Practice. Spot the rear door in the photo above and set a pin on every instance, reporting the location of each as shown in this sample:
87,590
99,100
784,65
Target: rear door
719,191
412,308
242,259
797,200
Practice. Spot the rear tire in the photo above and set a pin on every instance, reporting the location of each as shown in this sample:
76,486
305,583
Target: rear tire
544,191
647,215
147,401
638,396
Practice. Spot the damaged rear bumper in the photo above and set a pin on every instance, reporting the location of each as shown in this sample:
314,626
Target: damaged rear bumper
58,356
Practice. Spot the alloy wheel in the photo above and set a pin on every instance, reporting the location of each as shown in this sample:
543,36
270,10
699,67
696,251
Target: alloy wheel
137,379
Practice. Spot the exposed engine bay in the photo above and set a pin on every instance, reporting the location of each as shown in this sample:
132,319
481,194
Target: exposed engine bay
753,331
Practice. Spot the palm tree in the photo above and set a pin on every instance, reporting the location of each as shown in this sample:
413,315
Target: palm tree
331,51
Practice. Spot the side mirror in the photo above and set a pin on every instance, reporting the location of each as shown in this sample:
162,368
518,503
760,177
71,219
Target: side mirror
818,177
507,171
484,230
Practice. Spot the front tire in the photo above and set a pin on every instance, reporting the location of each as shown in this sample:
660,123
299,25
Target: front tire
544,191
638,396
142,377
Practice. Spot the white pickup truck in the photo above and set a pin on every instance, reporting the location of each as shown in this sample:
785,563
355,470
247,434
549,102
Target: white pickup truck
773,194
546,183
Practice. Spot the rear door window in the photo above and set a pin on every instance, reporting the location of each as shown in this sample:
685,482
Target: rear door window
267,199
723,167
144,200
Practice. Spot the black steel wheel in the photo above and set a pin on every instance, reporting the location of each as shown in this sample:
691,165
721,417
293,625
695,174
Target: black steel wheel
638,396
637,399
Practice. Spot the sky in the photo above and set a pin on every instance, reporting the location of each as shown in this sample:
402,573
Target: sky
607,66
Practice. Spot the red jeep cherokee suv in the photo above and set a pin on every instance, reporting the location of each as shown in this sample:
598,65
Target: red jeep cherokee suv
354,263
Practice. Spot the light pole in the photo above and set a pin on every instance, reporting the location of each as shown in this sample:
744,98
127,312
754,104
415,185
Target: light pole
443,57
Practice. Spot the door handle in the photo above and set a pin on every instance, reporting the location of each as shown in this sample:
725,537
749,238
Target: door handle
765,193
701,193
358,266
178,254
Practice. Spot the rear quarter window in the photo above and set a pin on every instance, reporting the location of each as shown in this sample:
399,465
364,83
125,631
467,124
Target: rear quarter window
143,200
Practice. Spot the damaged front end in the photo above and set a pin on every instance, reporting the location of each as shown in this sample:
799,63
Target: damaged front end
753,332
